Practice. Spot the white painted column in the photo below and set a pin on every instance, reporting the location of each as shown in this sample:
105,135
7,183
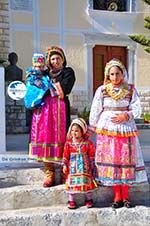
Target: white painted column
2,112
130,6
89,73
131,63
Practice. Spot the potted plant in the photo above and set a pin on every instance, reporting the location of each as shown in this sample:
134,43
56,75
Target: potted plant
84,114
146,117
2,61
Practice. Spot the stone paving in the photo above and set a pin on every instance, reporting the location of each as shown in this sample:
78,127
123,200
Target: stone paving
27,203
24,202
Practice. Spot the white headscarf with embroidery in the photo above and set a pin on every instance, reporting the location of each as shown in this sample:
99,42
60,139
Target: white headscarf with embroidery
79,121
112,63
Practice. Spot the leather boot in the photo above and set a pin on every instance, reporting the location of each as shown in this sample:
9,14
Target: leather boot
49,171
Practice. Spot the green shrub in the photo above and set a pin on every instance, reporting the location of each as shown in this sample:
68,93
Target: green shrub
84,114
146,117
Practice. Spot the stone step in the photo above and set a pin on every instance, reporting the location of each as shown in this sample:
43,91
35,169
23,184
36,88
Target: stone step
62,216
24,175
22,188
31,173
27,196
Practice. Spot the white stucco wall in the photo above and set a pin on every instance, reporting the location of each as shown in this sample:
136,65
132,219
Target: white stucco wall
2,113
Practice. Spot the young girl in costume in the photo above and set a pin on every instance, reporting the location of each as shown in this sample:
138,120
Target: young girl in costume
78,158
118,154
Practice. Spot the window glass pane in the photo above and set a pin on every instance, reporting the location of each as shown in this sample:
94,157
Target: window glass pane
25,5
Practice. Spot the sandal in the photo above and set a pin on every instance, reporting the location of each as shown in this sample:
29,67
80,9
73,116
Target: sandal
72,205
89,203
117,204
127,204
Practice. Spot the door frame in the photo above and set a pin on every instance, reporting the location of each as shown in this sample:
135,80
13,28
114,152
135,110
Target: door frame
106,53
111,40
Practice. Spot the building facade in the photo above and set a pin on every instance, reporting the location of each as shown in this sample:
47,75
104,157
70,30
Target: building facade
91,32
4,30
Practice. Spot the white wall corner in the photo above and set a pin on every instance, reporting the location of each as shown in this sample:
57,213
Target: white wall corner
2,112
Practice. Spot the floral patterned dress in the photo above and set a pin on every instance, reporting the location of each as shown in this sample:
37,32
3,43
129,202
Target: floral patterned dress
118,154
79,159
51,121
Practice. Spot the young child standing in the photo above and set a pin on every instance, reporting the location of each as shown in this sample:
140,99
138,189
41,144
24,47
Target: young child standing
78,158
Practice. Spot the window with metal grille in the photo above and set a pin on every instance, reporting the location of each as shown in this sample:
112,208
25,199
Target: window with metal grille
111,5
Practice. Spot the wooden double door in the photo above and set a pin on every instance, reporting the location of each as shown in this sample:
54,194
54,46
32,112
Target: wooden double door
101,55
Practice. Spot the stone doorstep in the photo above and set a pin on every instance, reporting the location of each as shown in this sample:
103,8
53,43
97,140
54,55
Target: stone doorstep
62,216
141,126
27,196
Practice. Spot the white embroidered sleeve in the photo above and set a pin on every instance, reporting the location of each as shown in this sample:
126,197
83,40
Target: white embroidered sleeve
135,106
96,108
